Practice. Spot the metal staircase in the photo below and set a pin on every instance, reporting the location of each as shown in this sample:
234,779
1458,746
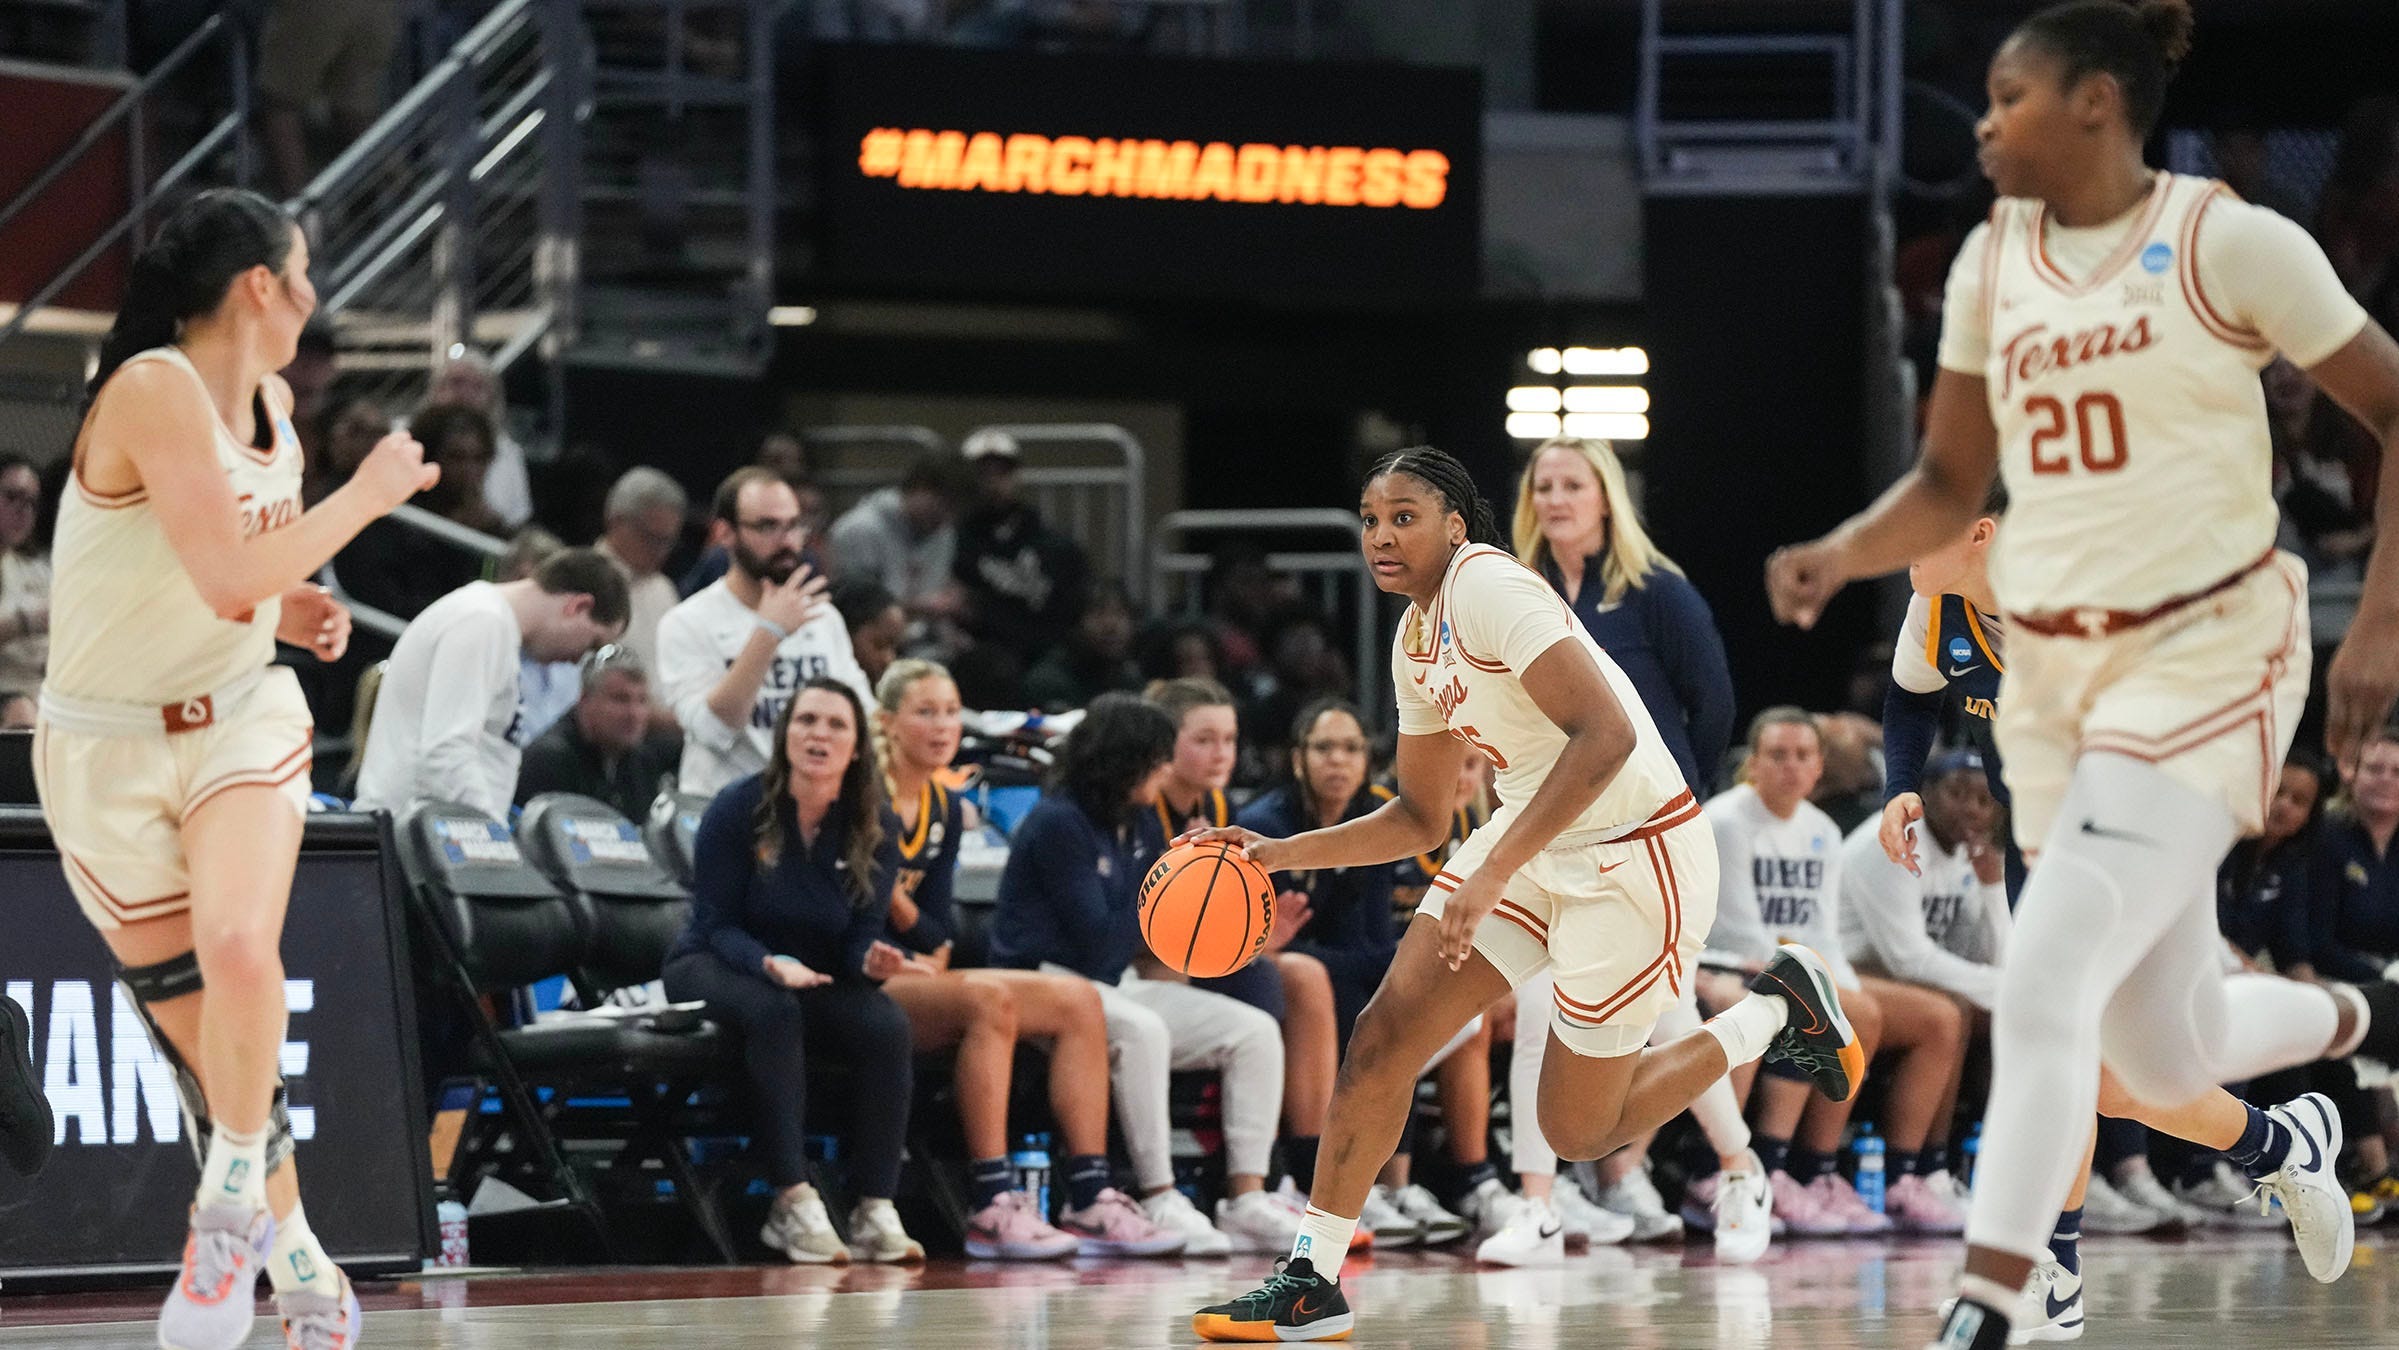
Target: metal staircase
1799,100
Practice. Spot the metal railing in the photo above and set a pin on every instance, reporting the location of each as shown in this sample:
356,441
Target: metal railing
1100,505
1329,572
217,38
453,220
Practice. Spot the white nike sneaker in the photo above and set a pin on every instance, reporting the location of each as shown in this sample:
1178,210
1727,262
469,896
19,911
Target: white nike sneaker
2051,1309
1257,1222
1382,1217
2106,1211
1635,1197
2311,1195
1588,1224
1531,1233
1173,1211
1488,1206
1744,1214
1436,1224
2144,1189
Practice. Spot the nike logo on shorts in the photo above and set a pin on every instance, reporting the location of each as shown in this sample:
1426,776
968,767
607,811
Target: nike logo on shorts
2098,831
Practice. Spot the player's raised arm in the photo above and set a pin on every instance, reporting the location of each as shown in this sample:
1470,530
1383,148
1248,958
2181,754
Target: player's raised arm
1926,508
2363,377
160,420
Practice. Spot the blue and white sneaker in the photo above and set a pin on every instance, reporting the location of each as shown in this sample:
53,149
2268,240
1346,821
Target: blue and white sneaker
2311,1195
2049,1310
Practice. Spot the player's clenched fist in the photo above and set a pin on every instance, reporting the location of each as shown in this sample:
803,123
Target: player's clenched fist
395,470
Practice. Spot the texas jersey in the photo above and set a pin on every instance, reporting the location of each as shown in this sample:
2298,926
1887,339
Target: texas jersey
1459,668
2121,366
127,625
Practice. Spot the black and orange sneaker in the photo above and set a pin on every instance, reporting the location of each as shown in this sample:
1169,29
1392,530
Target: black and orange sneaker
1295,1304
1818,1038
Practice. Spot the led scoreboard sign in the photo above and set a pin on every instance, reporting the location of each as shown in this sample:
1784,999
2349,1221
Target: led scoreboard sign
1088,176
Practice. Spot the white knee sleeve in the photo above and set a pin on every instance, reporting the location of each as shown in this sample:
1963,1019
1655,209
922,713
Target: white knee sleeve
1529,1152
2272,1023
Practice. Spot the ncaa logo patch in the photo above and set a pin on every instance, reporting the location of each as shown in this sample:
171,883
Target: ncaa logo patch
1960,650
2156,258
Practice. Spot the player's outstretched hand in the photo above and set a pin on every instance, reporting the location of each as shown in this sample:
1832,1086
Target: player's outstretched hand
394,471
1462,913
313,619
1800,579
2361,683
1898,832
1257,847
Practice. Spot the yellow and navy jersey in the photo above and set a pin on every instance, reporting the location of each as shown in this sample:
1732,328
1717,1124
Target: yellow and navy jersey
928,847
1157,827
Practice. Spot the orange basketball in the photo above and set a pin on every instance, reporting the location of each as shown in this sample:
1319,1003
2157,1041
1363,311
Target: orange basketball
1205,909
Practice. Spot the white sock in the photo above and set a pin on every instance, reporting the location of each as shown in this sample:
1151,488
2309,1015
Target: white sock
236,1170
298,1264
1745,1029
1323,1241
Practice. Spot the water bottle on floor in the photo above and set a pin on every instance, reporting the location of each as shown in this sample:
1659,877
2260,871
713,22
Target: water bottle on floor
1870,1168
1032,1163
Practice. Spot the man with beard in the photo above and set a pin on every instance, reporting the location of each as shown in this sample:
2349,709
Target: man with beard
731,656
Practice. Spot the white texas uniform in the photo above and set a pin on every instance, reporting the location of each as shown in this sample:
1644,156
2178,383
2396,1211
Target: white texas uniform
152,704
1617,904
2147,610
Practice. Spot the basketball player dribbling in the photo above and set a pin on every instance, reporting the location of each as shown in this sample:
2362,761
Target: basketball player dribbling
2100,350
171,756
1599,868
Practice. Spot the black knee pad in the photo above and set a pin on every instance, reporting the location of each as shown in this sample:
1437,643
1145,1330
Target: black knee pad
171,979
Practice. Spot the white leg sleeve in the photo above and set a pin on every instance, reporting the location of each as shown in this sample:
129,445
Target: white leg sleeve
2131,856
1529,1150
2272,1023
1717,1110
1211,1031
1139,1059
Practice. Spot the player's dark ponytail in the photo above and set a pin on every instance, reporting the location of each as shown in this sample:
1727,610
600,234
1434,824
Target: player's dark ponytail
183,271
1445,475
2140,44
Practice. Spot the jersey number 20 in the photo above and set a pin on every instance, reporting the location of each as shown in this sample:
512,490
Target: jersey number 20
1475,739
2098,425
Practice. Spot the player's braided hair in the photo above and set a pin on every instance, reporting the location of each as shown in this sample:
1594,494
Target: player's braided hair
1445,475
2139,44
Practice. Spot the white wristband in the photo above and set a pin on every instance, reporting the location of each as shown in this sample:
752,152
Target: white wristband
771,626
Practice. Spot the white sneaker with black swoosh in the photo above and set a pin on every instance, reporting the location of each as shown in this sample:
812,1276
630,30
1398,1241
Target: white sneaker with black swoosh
2318,1206
2051,1309
1533,1234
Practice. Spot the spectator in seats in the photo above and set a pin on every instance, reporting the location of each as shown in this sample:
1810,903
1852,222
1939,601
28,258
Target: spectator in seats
24,580
785,946
1244,597
2244,163
310,376
1780,873
19,712
1020,576
875,621
644,524
1182,649
1851,789
1095,659
982,1013
2353,894
2262,891
506,486
730,656
778,454
906,537
447,724
347,430
1576,525
603,748
1303,666
2326,469
546,690
312,53
786,454
400,569
1068,903
2357,217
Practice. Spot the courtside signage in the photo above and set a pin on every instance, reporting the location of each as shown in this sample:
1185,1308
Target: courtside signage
1014,174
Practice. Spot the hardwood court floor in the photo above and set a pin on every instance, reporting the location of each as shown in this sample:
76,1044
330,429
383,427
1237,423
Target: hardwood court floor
2216,1290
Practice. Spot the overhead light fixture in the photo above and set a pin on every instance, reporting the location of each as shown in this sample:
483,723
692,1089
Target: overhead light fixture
1533,398
1603,398
1606,426
1604,361
791,316
1532,426
1545,361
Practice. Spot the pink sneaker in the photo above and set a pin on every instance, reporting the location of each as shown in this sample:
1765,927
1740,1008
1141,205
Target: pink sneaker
1115,1226
216,1297
1916,1205
1837,1198
1804,1210
1007,1229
